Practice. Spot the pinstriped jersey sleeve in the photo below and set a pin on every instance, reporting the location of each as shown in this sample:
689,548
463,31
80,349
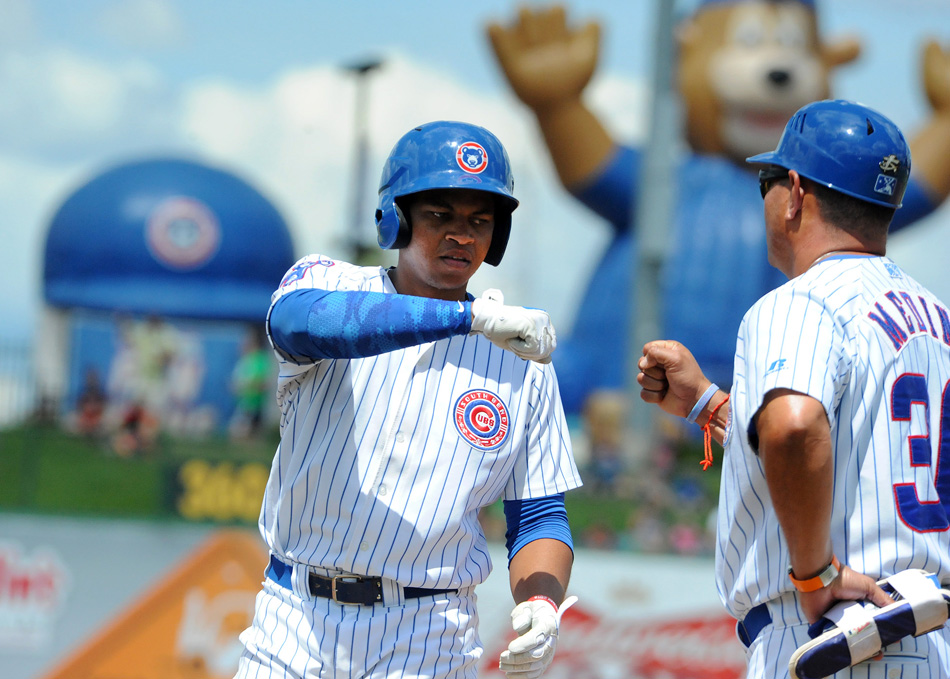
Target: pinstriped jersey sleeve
792,340
323,273
548,466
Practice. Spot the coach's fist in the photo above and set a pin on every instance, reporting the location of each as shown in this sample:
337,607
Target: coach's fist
536,621
670,377
526,332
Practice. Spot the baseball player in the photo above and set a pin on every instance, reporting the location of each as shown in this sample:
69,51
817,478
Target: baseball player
835,473
407,406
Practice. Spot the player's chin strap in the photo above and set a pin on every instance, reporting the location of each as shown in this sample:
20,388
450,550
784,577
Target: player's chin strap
854,631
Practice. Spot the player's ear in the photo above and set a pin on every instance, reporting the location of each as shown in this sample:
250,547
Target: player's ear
796,196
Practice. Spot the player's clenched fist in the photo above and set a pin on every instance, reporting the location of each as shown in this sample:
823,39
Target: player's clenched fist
536,621
670,377
525,332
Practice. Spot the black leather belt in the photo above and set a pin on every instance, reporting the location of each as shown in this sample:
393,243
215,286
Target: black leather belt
749,627
344,589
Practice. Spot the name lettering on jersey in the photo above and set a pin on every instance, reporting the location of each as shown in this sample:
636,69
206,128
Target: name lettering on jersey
481,418
912,318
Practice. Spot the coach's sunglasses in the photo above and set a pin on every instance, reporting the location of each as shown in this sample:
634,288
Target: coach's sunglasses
768,176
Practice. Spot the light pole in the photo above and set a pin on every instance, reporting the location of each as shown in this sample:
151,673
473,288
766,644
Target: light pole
654,217
357,244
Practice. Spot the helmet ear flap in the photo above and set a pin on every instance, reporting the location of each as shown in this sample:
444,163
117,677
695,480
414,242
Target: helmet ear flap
404,231
499,239
392,227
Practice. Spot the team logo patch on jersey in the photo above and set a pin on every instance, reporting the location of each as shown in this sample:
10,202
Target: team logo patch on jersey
472,157
481,419
893,270
182,233
301,268
298,271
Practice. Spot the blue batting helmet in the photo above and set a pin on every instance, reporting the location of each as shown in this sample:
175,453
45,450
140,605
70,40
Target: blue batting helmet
847,147
445,155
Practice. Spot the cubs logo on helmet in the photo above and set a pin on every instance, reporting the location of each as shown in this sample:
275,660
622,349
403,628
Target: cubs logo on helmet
481,418
471,157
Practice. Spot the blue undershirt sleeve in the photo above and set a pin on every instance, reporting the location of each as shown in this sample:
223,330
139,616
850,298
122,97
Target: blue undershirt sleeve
317,324
530,520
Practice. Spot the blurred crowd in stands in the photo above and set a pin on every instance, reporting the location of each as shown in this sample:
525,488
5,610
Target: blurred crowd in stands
643,496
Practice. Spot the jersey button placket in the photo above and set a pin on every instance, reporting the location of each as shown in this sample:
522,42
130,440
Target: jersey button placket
391,440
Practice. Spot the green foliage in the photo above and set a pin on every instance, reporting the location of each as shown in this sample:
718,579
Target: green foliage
46,470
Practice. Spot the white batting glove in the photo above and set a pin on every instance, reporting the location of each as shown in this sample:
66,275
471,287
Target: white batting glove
536,621
526,332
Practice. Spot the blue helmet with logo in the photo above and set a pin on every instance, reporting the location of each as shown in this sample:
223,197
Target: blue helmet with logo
445,155
847,147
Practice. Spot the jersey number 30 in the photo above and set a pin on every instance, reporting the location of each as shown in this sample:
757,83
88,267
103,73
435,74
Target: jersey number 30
923,517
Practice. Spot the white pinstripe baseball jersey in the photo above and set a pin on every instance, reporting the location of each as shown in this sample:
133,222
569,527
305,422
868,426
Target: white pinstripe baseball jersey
385,461
873,345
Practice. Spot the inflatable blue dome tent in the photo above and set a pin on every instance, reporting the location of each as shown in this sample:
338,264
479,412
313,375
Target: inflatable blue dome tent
171,259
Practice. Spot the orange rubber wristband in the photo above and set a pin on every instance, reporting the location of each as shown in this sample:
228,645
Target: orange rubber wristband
823,579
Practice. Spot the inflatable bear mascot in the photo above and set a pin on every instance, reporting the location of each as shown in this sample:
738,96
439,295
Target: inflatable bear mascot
743,68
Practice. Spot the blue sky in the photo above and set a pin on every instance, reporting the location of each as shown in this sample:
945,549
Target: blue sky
259,88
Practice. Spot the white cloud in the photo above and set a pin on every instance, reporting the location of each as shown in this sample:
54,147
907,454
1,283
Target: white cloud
65,106
293,139
149,24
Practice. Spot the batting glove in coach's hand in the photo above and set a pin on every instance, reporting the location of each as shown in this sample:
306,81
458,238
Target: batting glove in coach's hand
536,621
526,332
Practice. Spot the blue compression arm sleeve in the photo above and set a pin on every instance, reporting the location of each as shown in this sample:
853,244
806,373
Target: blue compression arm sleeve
319,324
529,520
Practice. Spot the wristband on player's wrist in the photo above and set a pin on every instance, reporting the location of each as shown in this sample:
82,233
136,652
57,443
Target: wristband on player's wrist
820,581
541,597
701,403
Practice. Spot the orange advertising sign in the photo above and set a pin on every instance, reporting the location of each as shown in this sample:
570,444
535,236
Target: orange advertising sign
187,627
